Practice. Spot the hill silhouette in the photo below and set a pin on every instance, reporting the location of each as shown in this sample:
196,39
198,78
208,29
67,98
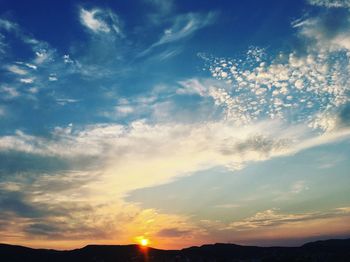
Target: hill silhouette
327,250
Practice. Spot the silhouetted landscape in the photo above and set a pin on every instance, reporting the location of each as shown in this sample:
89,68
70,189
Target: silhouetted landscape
327,250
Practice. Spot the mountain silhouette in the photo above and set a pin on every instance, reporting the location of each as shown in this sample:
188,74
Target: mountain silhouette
327,250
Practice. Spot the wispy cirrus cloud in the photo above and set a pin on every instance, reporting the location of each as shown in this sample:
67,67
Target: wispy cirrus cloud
183,26
8,25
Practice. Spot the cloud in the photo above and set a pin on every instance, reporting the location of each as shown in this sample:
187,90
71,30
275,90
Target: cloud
2,111
88,19
3,45
330,3
258,98
173,232
8,25
274,218
22,35
160,152
16,70
65,101
10,92
124,110
15,202
44,55
109,160
309,86
227,206
298,187
28,65
53,77
297,88
101,21
327,32
167,54
164,7
183,26
59,231
27,80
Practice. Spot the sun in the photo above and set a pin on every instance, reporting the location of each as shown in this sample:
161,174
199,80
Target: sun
144,242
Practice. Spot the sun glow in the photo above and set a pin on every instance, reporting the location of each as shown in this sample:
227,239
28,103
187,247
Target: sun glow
144,242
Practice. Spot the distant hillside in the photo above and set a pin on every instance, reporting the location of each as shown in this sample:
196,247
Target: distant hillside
328,250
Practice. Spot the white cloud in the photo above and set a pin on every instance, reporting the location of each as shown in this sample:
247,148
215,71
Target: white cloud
101,21
67,59
2,111
141,154
183,26
318,30
167,54
310,88
27,80
29,65
33,90
64,101
330,3
53,77
89,20
10,92
43,55
8,25
124,110
16,70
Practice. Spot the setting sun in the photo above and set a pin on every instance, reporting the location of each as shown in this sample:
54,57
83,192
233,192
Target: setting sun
144,242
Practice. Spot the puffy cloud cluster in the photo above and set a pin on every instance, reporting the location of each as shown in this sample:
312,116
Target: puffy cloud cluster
310,87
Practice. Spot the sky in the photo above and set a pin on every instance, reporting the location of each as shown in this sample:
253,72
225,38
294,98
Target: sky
181,122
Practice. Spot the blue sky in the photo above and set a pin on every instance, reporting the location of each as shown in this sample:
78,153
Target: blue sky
179,122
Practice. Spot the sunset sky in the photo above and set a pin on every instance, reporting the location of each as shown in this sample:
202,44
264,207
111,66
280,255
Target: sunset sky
181,122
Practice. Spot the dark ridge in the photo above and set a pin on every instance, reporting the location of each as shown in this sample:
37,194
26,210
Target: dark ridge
327,250
329,243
